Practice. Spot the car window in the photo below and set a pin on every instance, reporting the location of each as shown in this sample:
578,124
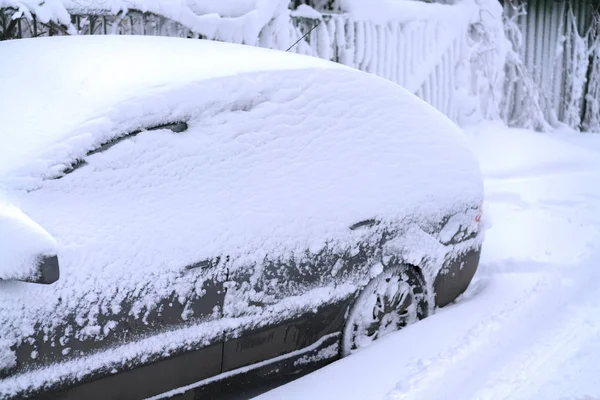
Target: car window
175,127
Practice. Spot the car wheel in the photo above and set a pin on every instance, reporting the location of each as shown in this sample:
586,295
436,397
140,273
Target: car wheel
388,303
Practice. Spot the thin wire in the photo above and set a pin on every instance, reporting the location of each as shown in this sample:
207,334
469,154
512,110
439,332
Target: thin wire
305,35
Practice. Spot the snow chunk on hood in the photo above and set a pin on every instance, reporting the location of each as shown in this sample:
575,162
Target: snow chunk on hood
23,245
383,11
305,11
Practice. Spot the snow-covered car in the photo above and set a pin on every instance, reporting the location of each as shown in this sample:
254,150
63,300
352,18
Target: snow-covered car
218,210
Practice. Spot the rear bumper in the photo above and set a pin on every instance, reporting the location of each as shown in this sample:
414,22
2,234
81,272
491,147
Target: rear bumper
455,277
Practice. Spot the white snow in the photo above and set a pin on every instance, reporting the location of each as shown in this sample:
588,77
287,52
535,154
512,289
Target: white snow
382,12
305,11
323,354
22,243
281,155
529,325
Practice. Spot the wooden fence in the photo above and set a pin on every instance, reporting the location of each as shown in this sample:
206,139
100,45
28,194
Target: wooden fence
560,46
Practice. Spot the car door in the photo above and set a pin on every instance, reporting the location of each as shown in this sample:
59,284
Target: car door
130,278
289,302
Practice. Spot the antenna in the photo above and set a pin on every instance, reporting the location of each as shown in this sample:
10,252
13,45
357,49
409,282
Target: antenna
305,35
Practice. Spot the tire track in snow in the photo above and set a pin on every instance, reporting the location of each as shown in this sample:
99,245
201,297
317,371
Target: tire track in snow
539,367
435,377
493,359
541,172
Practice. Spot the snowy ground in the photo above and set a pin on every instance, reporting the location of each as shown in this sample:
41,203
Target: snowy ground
529,326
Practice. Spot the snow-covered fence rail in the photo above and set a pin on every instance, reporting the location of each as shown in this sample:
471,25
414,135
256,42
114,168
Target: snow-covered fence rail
427,48
452,56
133,23
413,54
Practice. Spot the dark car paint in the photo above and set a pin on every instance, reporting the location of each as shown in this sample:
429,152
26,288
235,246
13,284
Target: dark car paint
145,380
292,277
173,373
282,339
452,282
127,329
49,270
252,347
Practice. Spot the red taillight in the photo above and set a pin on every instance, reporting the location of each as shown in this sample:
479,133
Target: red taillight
479,213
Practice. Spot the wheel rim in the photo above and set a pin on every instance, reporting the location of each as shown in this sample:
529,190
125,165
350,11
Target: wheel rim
388,303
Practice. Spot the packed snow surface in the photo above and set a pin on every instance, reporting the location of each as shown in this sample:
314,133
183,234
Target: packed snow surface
529,326
282,153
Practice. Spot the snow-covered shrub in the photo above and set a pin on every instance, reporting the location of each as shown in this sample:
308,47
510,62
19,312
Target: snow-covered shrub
51,15
552,80
591,116
577,62
521,99
481,75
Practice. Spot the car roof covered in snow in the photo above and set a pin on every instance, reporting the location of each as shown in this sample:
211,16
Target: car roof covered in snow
56,87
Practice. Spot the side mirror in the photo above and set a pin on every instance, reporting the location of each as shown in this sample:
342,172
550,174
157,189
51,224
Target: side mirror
27,251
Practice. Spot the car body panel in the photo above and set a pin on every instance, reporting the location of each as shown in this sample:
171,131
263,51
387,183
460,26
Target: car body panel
60,344
147,380
289,348
290,336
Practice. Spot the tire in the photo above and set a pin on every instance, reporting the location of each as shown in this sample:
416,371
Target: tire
389,302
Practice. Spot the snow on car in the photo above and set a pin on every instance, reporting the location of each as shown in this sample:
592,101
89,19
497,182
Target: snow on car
217,208
27,251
